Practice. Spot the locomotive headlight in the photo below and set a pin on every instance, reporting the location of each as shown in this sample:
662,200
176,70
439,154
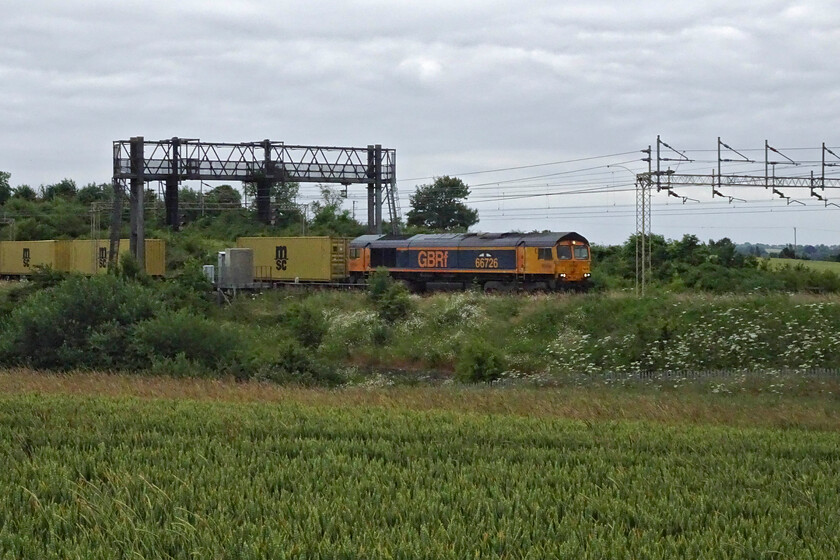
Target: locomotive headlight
562,275
586,274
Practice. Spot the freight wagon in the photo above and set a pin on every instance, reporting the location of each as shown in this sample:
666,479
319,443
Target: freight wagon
84,256
298,259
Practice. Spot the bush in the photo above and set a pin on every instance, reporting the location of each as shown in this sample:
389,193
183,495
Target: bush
188,290
130,267
295,364
179,366
394,304
478,362
390,298
307,324
45,276
81,322
378,283
198,339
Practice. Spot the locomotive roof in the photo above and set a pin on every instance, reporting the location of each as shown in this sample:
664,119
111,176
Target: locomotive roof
510,239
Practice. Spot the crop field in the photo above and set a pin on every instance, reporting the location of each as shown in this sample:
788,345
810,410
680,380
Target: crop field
94,469
814,265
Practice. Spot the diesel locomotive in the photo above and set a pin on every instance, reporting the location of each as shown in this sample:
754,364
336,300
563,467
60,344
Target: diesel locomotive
494,261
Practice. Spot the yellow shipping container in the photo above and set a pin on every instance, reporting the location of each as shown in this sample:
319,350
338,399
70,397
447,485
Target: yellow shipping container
155,256
19,258
84,256
90,256
308,259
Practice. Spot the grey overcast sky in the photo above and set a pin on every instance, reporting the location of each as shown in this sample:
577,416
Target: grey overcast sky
456,87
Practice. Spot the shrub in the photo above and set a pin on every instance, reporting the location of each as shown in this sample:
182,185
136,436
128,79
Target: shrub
188,290
206,342
296,364
307,324
395,303
129,267
81,322
478,362
192,278
378,283
390,298
45,276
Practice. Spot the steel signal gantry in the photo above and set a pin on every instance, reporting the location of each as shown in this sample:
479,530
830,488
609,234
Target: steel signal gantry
263,163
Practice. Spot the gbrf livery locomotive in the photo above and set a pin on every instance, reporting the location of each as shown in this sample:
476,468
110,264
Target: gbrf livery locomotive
496,261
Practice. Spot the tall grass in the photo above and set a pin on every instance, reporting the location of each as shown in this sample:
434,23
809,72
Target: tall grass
106,478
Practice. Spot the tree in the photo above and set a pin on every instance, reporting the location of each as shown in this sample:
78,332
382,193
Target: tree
66,188
787,253
94,193
283,200
5,189
329,218
25,192
440,206
724,252
224,194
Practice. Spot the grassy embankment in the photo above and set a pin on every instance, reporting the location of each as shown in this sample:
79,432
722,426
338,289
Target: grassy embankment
331,337
104,466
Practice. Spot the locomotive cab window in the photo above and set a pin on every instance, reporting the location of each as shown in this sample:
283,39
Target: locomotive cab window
354,253
581,252
383,257
544,253
564,252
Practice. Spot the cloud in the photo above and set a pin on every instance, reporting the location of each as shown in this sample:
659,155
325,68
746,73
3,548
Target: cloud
454,86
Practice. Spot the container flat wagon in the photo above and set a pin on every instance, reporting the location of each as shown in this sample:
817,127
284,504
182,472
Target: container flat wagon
298,259
83,256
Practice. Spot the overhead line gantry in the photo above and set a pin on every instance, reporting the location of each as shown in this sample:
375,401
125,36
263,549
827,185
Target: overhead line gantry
263,163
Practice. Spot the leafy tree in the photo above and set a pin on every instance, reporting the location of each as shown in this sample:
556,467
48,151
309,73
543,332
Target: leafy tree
440,206
224,194
330,218
284,196
787,253
724,252
66,188
5,189
94,193
689,250
25,192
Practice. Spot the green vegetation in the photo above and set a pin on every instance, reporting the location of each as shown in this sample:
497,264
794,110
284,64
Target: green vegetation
116,323
94,477
691,265
440,206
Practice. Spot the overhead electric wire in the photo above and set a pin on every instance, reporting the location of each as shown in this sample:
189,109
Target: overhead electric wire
518,167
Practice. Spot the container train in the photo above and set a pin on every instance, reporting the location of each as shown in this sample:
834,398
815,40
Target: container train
494,261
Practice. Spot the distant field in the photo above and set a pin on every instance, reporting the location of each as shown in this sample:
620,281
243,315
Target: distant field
815,265
256,472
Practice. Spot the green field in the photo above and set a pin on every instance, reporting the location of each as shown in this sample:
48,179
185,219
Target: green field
813,265
302,475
